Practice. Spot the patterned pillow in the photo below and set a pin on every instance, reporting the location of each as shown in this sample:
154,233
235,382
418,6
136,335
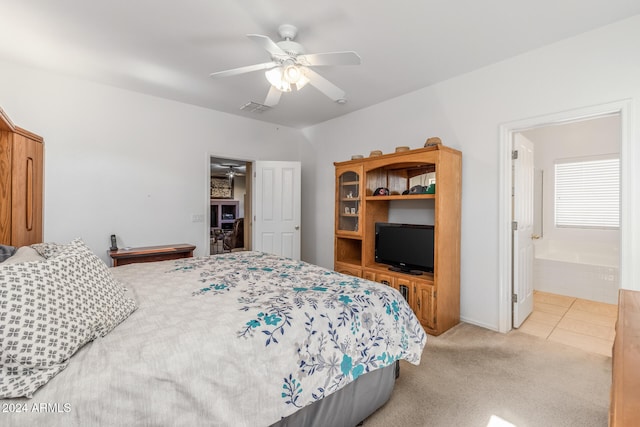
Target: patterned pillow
48,310
48,249
107,295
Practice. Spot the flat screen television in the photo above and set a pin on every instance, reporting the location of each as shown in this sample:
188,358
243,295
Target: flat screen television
405,247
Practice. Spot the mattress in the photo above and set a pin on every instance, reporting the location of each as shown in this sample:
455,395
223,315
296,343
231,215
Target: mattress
238,339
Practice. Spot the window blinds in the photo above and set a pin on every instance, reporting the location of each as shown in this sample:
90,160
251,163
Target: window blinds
587,193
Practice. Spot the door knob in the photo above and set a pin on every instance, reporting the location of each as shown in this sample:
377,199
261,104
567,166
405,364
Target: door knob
535,236
297,227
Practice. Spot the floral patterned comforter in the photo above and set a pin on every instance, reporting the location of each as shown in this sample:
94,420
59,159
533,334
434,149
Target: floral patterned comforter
335,327
238,339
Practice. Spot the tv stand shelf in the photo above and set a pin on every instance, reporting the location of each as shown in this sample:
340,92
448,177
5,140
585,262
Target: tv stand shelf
434,297
401,197
408,272
385,268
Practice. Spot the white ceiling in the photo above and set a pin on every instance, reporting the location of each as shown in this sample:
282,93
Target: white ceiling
169,48
220,166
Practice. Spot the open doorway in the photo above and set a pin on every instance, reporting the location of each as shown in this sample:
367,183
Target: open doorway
507,137
229,202
576,214
573,235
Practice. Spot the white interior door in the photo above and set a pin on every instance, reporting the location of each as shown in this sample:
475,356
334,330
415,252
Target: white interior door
277,208
523,213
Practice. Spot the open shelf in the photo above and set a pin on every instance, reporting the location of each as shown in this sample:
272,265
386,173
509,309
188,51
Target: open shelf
401,197
349,250
385,268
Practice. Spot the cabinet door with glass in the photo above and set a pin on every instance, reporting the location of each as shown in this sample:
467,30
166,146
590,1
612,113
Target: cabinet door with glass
348,199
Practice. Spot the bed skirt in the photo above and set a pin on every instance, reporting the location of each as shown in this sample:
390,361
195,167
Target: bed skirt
349,406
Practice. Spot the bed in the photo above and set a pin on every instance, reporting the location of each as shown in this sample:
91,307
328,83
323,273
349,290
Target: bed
236,339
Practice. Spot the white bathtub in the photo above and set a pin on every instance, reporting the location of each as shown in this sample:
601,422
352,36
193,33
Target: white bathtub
582,270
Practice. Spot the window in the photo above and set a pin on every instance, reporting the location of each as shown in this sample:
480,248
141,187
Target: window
588,192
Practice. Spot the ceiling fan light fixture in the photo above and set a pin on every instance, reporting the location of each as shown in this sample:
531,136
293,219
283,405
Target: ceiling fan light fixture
302,81
292,74
275,76
230,174
290,65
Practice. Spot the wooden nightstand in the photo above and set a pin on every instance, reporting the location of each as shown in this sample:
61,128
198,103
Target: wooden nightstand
151,253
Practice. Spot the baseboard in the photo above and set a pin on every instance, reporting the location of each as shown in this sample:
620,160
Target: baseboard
481,324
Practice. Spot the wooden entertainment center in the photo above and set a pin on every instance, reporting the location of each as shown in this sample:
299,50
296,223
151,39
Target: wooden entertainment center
434,297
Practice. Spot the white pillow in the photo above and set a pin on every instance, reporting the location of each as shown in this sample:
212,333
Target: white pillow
24,254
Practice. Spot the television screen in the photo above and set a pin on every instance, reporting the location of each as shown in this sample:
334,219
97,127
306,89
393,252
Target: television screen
405,247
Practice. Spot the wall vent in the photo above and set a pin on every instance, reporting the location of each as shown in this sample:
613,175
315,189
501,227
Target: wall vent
254,107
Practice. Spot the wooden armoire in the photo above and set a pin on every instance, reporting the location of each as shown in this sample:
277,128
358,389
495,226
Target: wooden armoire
21,159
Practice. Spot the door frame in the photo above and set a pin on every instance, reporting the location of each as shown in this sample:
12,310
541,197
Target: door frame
629,232
248,199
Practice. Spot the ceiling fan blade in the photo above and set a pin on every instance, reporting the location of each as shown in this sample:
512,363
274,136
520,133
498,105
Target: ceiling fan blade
267,44
242,70
324,85
330,58
273,97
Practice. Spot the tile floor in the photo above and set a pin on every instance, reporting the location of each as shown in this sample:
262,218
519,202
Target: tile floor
576,322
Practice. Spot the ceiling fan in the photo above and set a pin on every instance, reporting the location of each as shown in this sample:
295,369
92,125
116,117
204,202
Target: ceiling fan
232,171
228,170
291,66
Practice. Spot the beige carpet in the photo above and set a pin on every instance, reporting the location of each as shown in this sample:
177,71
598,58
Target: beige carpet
469,374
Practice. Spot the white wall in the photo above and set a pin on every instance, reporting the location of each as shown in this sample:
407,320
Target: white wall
594,68
126,163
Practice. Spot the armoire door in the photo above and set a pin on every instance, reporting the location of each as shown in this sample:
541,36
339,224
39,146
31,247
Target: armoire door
26,191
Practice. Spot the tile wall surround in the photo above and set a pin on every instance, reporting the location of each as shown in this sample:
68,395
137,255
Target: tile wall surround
579,270
591,282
